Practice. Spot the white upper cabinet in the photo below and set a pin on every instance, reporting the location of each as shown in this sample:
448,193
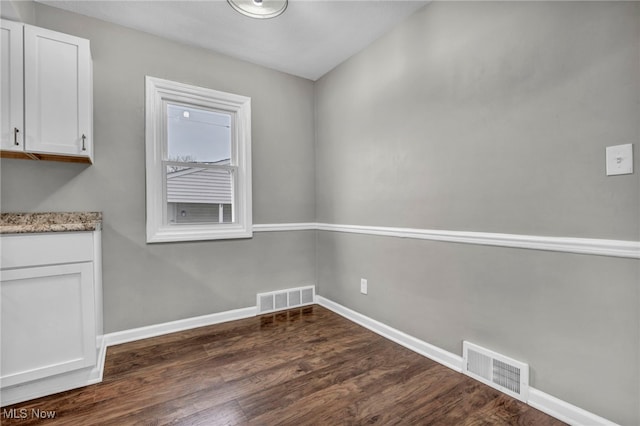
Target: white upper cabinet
11,91
56,75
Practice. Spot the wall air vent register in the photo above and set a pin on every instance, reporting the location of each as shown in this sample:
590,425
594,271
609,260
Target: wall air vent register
498,371
284,299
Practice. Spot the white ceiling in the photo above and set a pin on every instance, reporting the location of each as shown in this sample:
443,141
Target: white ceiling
308,40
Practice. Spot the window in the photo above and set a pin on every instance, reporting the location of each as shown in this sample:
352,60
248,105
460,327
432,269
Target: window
198,157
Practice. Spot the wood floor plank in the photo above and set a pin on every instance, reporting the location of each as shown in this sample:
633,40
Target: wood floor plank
300,367
190,409
280,397
227,414
394,398
262,359
143,388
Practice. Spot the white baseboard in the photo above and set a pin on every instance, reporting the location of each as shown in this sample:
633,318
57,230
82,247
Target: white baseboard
126,336
58,383
102,356
546,403
423,348
564,411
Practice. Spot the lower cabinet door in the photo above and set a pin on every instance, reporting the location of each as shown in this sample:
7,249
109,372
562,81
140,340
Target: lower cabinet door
47,321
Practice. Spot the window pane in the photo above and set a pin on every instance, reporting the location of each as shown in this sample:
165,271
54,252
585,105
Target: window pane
198,135
199,213
199,195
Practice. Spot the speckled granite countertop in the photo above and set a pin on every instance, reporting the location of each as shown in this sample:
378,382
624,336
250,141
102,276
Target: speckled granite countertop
21,223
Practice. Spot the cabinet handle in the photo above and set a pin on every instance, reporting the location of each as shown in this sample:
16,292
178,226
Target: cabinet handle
15,136
84,148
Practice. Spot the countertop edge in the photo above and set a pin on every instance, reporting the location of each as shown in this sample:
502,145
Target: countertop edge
28,223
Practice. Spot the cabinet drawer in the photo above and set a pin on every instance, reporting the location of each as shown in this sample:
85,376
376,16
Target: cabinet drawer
22,250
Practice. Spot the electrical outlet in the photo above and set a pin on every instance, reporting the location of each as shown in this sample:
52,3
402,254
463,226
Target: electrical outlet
363,286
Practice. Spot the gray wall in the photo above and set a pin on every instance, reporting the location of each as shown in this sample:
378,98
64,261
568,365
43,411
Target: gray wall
149,284
492,117
18,10
487,117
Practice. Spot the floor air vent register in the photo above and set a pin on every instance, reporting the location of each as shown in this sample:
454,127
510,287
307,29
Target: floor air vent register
285,299
498,371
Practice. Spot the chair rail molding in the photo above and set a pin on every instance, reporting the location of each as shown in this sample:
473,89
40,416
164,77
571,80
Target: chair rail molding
590,246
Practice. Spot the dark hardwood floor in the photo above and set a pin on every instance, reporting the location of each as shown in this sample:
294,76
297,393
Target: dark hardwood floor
299,367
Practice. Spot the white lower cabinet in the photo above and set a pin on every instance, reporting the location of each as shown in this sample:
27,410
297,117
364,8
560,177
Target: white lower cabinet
51,317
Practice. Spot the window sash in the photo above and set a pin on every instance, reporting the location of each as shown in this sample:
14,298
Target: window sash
165,197
205,106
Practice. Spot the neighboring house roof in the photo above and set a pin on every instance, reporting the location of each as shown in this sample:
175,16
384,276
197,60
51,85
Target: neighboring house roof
195,185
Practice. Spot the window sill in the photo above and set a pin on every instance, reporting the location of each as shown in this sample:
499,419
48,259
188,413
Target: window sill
178,233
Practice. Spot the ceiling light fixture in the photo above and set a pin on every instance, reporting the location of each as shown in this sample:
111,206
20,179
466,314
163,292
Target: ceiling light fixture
259,9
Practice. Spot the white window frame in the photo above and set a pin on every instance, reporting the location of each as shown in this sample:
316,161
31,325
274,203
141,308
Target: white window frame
158,93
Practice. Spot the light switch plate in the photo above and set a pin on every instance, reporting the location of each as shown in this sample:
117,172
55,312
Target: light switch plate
363,286
620,160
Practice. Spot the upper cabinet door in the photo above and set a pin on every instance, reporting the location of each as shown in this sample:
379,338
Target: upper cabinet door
12,108
58,98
